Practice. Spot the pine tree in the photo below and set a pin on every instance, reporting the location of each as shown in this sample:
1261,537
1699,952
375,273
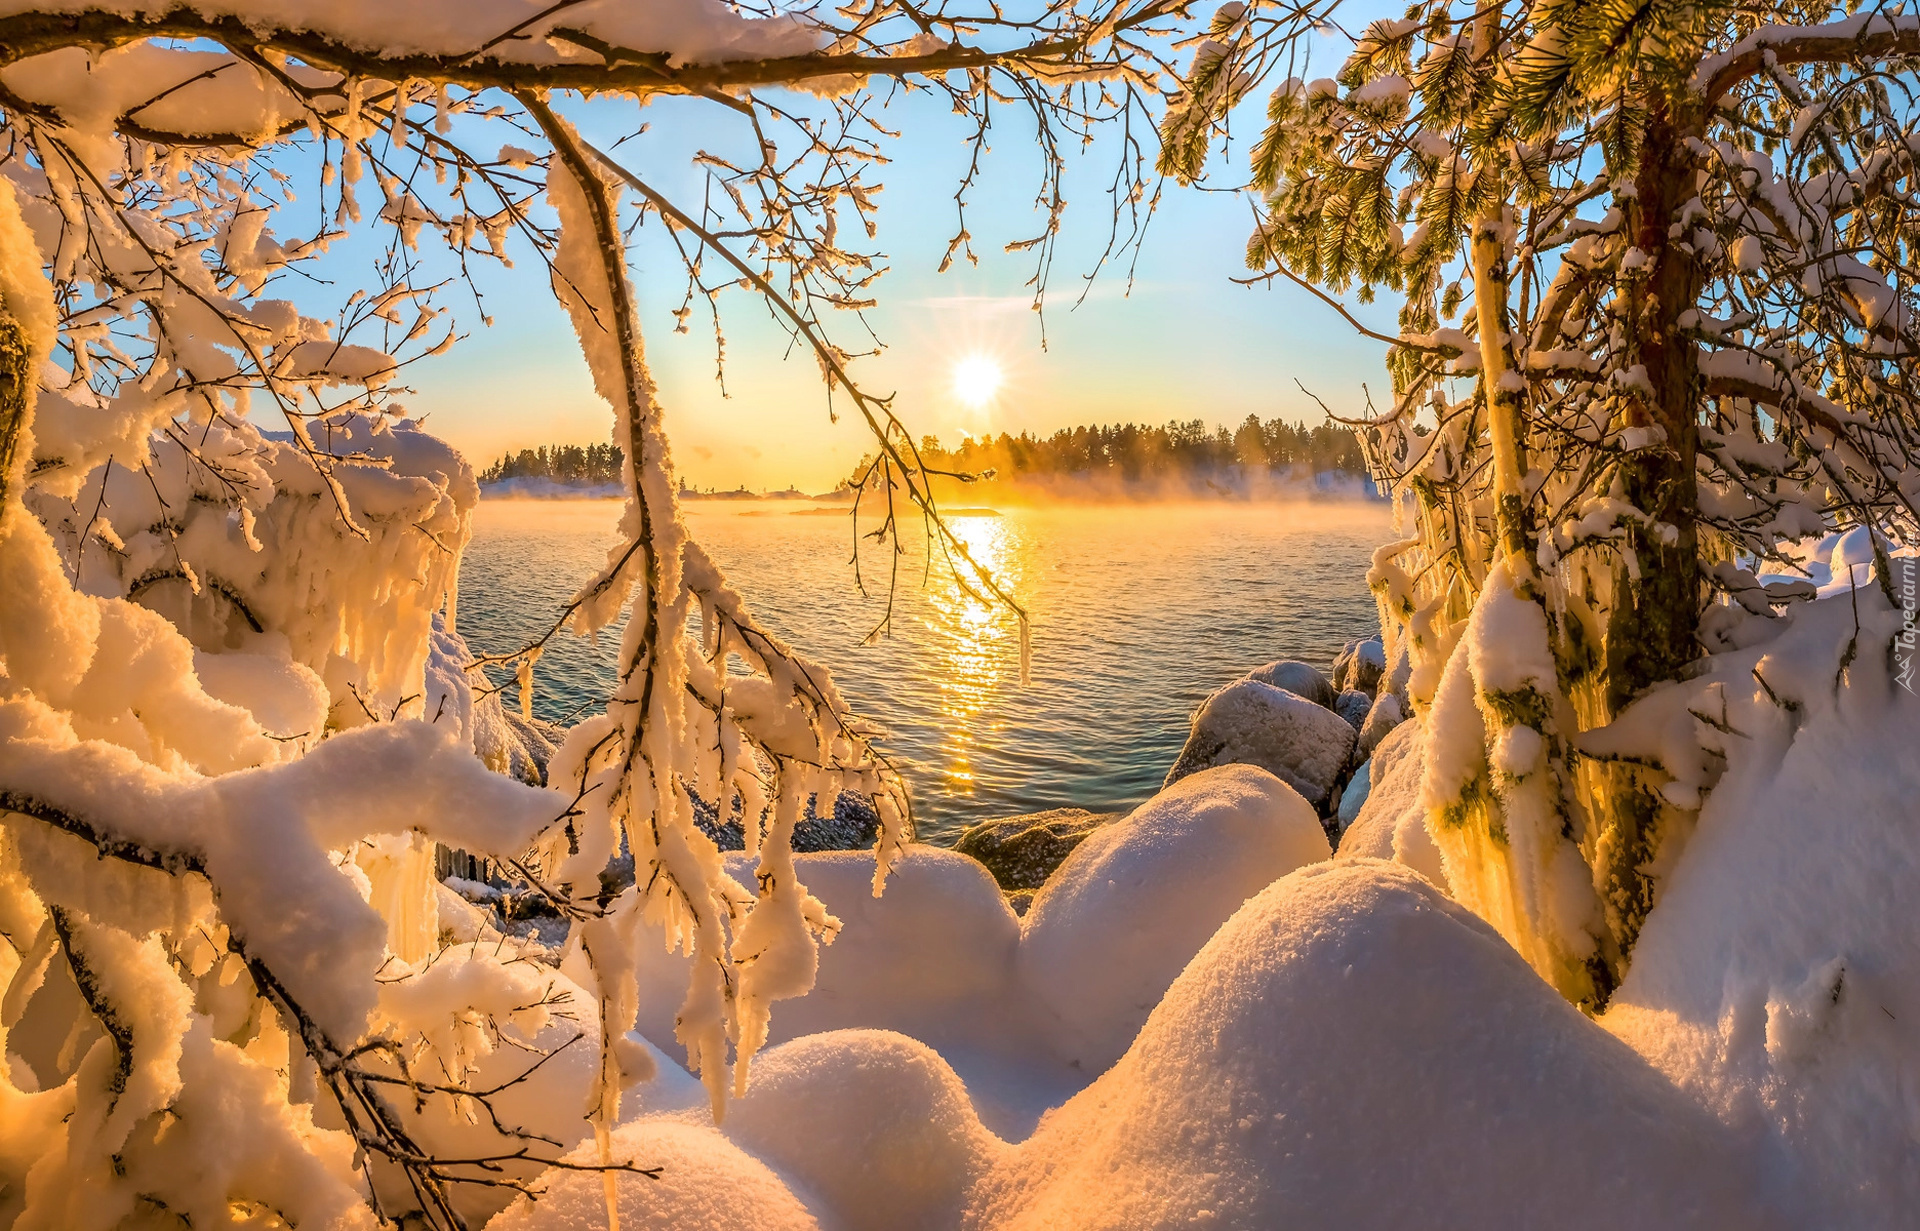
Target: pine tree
1656,265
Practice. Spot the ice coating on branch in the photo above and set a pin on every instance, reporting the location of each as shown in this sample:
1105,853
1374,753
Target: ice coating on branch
687,31
230,1135
240,541
263,836
681,720
1492,790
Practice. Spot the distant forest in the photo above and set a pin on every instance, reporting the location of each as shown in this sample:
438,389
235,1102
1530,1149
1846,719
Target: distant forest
1179,451
582,465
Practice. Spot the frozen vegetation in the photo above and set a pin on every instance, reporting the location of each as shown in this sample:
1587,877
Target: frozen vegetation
1574,900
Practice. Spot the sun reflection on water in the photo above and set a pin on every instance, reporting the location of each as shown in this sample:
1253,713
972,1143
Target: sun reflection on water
975,636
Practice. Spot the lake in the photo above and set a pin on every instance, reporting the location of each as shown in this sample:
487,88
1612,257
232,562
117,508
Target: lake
1138,612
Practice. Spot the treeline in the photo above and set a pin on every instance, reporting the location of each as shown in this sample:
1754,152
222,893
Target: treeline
1131,452
582,465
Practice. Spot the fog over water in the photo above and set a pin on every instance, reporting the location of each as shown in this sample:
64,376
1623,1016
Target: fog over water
1138,612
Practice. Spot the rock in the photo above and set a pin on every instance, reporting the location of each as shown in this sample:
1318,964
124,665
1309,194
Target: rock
1300,679
1020,901
1385,714
1353,705
852,826
1353,797
1360,665
1250,722
1022,851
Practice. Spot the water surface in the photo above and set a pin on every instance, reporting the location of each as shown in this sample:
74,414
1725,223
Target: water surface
1138,612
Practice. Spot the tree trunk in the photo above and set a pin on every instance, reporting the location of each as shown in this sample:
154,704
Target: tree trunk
1505,390
1651,625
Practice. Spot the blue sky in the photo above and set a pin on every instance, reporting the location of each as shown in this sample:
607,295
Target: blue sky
1186,342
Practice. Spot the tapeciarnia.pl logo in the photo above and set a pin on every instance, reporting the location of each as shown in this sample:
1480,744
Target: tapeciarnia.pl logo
1907,637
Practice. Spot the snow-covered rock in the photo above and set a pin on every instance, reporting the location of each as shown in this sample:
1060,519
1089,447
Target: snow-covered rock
1138,898
1353,1050
1029,1014
1354,706
1298,678
1250,722
1386,713
1360,665
933,957
1022,851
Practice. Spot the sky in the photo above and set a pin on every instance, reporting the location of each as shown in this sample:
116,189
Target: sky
1182,341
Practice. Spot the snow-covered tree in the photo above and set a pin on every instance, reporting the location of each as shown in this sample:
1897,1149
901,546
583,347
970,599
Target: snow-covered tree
235,712
1658,322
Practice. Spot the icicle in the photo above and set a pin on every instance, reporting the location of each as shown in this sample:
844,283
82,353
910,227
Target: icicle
523,674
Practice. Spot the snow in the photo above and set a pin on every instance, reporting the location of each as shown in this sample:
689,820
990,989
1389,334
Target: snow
1391,823
1306,745
1492,787
1776,981
1115,924
891,1138
1351,1049
705,1183
935,958
1467,1094
237,715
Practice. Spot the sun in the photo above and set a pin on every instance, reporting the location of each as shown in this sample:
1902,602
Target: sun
976,379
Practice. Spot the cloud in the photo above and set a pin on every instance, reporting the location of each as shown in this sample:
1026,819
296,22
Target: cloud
982,304
1060,296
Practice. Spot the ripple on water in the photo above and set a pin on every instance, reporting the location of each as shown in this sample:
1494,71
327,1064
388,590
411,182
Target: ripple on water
1138,613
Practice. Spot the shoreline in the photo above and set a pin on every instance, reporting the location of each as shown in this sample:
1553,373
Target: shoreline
980,503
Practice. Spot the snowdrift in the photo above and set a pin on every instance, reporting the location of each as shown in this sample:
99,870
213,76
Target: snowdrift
1778,980
1349,1050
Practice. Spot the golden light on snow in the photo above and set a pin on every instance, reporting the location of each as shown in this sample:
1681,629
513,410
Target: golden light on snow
976,379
